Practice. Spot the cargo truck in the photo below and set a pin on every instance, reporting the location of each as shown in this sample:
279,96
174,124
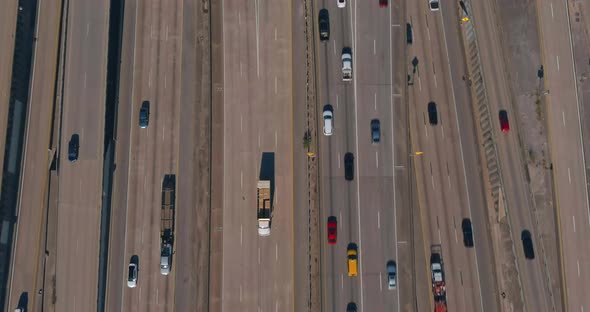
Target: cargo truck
346,64
167,223
439,290
264,207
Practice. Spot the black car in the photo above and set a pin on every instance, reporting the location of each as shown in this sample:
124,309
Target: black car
527,245
467,233
324,25
409,35
74,147
432,114
144,114
349,166
351,307
375,130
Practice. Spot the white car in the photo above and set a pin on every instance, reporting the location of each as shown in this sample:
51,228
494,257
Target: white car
341,3
132,277
434,5
328,120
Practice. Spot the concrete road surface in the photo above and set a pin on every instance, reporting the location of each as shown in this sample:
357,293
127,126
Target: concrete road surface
152,152
80,183
7,31
29,248
518,199
566,150
257,271
366,208
449,184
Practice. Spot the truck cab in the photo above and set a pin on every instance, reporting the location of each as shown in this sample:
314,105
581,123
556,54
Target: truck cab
165,257
346,64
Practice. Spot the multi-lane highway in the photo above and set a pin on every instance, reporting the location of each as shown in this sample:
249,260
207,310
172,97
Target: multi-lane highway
80,182
257,135
165,61
366,207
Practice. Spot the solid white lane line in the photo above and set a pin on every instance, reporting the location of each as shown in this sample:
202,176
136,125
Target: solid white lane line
276,85
241,234
432,179
569,175
435,81
419,83
258,139
276,141
258,255
563,117
275,34
241,123
578,261
378,219
442,127
241,71
456,239
338,160
277,252
380,282
557,61
336,101
242,179
375,46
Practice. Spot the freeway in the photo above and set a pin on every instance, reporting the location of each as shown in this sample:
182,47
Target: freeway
148,154
519,206
570,176
449,182
29,249
257,271
80,183
367,207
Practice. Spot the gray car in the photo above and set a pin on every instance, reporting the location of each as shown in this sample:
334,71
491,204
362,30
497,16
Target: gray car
375,130
391,274
144,114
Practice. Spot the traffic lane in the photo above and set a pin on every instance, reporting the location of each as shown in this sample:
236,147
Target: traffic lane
36,158
278,104
267,141
564,127
517,192
77,237
469,153
84,83
7,31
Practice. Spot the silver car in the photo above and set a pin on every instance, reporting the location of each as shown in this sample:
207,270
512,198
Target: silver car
132,276
328,116
391,274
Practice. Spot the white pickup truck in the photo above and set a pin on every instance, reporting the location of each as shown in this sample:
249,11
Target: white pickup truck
346,64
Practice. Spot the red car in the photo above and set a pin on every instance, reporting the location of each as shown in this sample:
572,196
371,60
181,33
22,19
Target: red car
332,230
504,124
383,3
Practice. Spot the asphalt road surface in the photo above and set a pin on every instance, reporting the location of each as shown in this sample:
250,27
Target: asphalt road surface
567,153
257,271
80,183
